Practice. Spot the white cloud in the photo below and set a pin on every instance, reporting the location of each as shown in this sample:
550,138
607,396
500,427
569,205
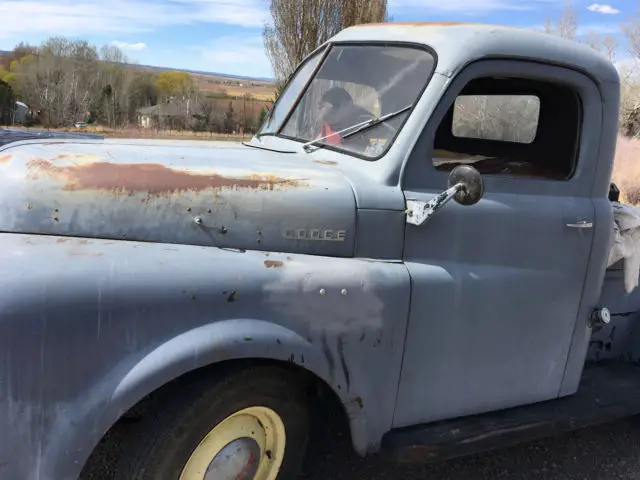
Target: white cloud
65,17
606,9
138,46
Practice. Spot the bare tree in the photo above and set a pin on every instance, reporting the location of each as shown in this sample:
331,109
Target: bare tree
631,31
566,26
301,26
605,44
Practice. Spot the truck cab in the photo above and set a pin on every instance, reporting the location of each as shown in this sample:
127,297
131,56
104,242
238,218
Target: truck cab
421,229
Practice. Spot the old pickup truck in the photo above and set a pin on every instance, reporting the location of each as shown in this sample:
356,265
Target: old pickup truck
420,230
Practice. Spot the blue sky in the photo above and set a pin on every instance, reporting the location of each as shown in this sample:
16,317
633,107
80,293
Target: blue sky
225,35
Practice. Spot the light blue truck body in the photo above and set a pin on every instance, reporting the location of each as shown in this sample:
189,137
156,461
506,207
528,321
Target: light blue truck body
127,263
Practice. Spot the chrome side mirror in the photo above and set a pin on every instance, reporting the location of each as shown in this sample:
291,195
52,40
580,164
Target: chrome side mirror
465,185
471,184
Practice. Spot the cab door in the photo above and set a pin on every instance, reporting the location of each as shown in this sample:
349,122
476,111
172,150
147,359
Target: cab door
498,286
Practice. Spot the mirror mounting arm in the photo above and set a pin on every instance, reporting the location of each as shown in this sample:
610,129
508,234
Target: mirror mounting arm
419,212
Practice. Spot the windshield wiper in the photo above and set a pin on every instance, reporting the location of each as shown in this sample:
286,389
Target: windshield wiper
360,127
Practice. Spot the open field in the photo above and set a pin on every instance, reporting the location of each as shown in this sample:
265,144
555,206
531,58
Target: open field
225,85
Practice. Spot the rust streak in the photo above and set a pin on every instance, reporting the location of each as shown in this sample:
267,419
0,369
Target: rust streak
273,264
149,177
326,162
62,240
5,158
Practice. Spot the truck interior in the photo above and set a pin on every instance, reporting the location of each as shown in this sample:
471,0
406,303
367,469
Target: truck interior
532,129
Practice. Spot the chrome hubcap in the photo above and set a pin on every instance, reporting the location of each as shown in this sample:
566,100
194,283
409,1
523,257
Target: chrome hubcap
238,460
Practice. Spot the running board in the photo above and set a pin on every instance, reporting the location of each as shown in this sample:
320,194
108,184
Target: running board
607,392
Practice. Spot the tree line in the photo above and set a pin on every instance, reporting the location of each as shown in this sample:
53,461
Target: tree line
64,81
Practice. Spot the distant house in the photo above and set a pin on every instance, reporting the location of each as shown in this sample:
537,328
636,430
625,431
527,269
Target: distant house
164,115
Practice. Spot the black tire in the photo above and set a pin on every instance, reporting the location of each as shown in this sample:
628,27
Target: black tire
176,421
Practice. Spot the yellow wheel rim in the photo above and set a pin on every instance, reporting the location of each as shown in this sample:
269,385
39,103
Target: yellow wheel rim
259,427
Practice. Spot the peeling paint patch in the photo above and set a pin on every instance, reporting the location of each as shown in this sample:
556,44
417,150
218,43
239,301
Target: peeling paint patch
273,264
150,178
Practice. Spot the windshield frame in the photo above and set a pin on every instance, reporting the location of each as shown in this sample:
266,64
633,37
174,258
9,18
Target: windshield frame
322,55
328,47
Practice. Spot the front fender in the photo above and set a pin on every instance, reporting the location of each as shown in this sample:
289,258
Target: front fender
202,346
90,327
234,340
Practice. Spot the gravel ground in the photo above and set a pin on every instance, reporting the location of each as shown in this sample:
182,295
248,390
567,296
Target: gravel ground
607,452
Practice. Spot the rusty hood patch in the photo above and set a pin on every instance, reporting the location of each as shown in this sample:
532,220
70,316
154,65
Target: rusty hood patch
232,196
152,178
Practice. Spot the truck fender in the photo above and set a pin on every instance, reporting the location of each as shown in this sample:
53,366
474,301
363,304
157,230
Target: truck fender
137,376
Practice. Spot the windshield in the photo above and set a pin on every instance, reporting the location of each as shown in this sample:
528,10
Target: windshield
358,99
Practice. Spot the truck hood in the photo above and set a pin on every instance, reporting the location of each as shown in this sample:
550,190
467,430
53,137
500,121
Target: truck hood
210,194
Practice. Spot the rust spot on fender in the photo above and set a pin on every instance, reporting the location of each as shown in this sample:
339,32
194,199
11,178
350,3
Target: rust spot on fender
149,178
5,158
273,263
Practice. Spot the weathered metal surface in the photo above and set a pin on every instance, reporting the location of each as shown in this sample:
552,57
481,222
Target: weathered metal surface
97,324
89,326
240,197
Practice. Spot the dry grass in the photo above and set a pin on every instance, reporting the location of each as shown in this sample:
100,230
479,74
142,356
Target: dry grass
264,91
626,170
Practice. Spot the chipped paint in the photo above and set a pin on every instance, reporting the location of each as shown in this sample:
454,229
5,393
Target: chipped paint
148,177
5,158
153,194
273,264
331,163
